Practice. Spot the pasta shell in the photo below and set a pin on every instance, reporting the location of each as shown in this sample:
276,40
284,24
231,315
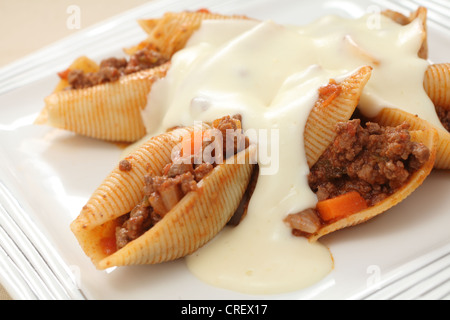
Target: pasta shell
437,84
120,191
420,13
110,111
171,32
427,137
319,128
394,117
198,217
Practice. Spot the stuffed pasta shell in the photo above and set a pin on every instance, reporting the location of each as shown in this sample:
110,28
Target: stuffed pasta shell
165,200
365,171
104,101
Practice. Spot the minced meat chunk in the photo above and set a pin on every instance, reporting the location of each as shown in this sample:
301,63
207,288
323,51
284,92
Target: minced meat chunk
233,136
139,220
444,116
144,59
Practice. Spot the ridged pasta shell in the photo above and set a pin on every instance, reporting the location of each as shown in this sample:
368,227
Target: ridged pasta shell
195,220
319,128
437,84
427,137
171,32
112,111
122,190
394,117
420,13
109,111
192,222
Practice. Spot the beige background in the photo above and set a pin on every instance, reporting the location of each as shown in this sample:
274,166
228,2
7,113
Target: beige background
28,25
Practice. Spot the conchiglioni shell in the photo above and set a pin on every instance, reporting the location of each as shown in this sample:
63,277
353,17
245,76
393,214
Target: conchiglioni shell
420,13
427,137
394,117
122,190
192,222
109,111
112,111
171,32
196,219
319,128
437,84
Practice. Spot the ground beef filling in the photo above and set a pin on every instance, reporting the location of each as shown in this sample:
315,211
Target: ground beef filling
372,160
444,116
112,69
162,193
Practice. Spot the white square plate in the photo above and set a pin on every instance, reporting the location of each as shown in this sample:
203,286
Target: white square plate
47,175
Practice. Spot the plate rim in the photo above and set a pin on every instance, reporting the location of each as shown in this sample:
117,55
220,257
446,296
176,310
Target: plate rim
54,280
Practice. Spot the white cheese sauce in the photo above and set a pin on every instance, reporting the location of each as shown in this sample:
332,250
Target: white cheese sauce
270,74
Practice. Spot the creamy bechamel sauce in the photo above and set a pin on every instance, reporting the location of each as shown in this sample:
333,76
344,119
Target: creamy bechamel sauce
270,75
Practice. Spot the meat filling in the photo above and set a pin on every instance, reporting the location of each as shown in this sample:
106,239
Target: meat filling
374,161
112,69
444,116
162,193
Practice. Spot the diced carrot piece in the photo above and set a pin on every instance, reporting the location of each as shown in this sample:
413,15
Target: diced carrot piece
64,74
341,206
108,245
